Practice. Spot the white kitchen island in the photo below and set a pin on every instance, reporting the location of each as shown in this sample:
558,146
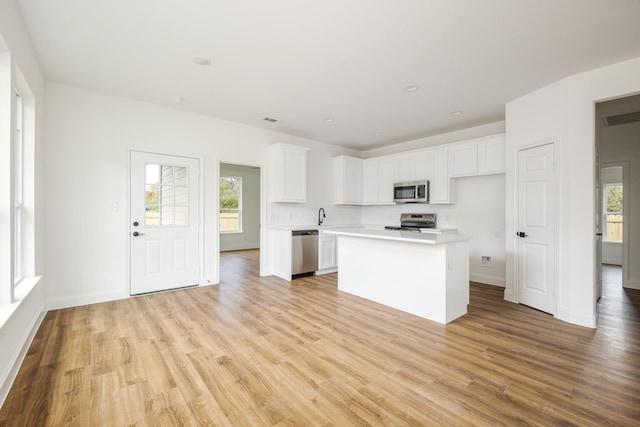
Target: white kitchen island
421,273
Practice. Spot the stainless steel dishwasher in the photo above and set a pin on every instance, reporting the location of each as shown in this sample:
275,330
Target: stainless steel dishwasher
304,253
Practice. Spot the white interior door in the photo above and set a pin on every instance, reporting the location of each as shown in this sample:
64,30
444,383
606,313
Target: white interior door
536,227
164,222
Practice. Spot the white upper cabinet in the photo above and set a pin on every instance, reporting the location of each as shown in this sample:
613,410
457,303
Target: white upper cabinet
463,159
377,181
289,173
439,182
410,167
402,168
479,157
347,180
491,155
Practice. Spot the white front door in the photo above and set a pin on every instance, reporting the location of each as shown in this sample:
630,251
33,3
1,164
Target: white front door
536,227
164,222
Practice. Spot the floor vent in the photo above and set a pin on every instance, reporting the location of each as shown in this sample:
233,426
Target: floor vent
622,119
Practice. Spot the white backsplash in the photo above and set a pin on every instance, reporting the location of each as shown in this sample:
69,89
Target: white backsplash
390,215
291,214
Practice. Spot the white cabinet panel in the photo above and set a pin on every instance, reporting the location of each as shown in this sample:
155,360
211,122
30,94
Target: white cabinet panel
402,168
491,155
327,253
378,178
463,159
439,183
420,165
385,181
347,180
289,173
411,167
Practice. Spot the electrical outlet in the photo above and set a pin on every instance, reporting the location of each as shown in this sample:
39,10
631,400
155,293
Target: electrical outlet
486,261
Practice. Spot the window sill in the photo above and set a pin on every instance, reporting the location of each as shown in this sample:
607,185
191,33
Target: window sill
231,232
22,289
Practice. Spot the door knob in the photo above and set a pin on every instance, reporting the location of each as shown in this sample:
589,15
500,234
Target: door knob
136,234
521,234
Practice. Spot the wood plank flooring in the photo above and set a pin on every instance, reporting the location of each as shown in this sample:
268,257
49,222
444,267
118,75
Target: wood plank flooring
264,352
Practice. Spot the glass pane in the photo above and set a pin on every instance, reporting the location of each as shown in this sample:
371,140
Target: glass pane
166,215
180,215
229,220
181,195
180,175
166,195
167,174
614,198
614,228
152,174
152,216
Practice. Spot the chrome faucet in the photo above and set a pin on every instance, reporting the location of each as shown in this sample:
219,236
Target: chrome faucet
321,216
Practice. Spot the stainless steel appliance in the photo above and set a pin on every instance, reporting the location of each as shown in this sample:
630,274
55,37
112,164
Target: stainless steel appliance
420,222
411,192
304,253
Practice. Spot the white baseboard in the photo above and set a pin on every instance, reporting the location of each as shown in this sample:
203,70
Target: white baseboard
84,299
633,284
240,247
21,351
487,279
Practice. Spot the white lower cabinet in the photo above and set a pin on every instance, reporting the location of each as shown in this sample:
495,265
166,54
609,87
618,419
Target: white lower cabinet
327,253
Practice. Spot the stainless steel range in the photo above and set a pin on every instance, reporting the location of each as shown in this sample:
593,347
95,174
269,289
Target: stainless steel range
421,222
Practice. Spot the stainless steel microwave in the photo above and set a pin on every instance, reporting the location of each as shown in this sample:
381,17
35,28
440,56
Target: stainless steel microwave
411,192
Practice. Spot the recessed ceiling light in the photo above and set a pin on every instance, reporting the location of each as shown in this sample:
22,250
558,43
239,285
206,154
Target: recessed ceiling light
411,88
329,119
377,134
176,99
456,113
202,60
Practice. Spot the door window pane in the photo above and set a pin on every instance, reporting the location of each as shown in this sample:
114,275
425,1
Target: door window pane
166,195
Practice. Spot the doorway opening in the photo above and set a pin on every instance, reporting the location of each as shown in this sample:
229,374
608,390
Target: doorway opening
239,220
617,160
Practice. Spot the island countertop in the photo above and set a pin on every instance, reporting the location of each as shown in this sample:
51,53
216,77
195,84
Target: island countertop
400,235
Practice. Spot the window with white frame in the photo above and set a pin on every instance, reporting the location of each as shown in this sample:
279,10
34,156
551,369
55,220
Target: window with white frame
612,212
230,204
18,168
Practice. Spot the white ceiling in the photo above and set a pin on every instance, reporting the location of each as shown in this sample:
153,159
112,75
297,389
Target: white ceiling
303,61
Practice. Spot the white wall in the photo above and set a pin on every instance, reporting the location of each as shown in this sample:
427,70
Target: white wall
88,136
617,144
481,207
19,321
565,112
249,238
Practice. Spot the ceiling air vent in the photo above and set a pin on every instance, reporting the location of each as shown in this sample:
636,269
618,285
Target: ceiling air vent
269,119
622,119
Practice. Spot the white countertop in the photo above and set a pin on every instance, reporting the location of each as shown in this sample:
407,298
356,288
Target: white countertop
399,235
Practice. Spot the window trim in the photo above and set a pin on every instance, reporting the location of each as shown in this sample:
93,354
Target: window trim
18,167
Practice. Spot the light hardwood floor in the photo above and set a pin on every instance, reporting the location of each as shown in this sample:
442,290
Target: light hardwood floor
265,352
